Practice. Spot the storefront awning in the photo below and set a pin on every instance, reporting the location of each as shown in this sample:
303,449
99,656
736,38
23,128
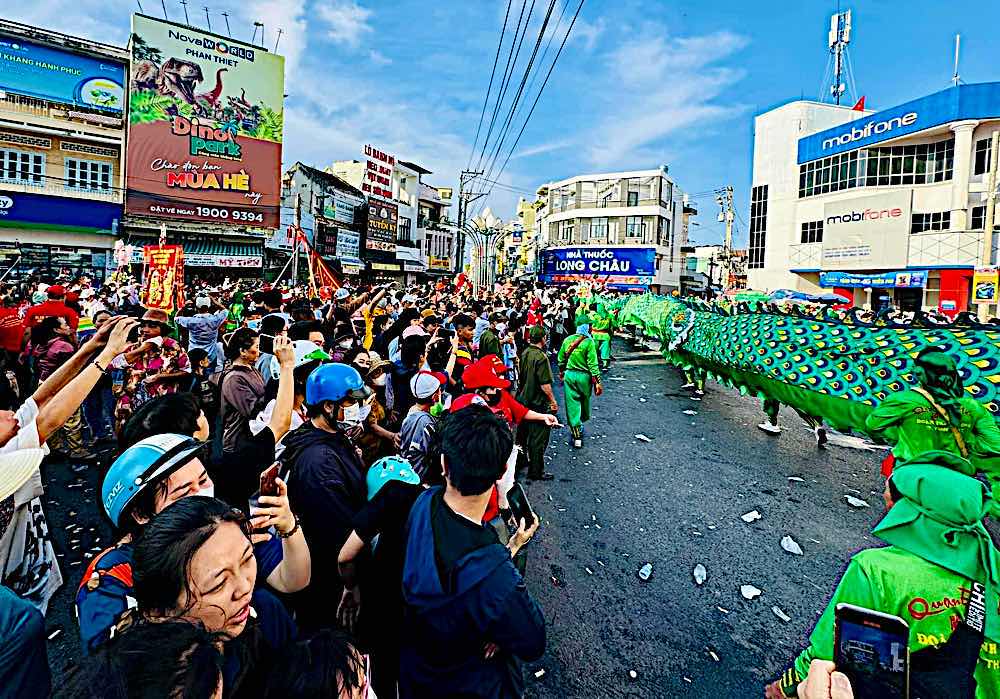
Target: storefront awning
211,253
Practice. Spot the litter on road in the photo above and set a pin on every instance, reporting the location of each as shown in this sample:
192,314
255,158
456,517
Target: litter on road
750,591
855,502
643,438
700,574
791,545
645,572
780,614
751,516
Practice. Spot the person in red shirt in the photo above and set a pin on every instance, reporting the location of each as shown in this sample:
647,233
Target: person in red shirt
488,388
55,306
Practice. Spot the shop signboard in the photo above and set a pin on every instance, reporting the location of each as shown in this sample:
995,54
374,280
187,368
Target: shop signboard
49,73
383,219
163,281
384,267
984,285
613,266
40,211
348,244
377,181
205,127
228,261
339,206
438,262
867,232
885,280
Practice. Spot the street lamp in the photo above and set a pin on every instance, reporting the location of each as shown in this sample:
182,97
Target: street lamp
483,231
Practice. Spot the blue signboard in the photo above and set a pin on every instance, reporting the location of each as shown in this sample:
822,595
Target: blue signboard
48,73
977,101
617,267
885,280
38,211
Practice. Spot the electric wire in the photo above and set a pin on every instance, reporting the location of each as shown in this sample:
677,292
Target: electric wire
489,88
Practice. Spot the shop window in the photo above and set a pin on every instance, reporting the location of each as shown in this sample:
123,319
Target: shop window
937,221
982,157
812,231
22,167
88,175
758,227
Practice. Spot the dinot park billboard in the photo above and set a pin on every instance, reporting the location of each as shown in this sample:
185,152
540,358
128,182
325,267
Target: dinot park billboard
205,127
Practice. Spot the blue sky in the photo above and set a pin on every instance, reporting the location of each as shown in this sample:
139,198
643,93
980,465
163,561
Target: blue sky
640,83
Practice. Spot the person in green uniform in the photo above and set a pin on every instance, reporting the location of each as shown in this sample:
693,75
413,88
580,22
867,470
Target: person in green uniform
489,340
939,573
579,372
600,330
936,415
535,392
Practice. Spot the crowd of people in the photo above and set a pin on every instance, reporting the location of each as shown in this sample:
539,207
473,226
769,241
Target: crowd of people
317,496
309,494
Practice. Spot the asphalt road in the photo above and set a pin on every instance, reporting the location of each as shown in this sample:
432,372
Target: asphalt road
675,502
619,503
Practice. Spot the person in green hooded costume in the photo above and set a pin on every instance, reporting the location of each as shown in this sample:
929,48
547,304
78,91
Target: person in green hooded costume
938,416
939,557
579,371
600,330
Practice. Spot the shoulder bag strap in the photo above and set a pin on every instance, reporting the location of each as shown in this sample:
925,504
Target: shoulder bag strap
955,431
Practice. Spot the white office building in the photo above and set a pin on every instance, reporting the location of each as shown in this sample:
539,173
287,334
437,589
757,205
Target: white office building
883,207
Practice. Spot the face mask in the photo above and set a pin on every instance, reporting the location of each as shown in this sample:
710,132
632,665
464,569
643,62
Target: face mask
501,328
364,413
352,416
493,398
345,344
379,380
208,492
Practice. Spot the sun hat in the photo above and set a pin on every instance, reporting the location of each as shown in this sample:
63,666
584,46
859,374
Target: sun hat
16,467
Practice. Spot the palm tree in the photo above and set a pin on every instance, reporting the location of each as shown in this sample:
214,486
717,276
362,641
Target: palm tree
141,51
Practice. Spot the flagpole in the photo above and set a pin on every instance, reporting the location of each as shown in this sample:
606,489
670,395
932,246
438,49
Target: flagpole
284,269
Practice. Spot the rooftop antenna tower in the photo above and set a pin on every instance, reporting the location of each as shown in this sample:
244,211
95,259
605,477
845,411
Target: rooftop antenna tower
838,79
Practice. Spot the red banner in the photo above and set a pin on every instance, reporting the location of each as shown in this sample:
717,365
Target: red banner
163,277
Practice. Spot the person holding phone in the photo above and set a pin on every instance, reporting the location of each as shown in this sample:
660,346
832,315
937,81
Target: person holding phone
940,575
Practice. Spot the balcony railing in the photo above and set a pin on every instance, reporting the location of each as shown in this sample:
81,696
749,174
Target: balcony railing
57,188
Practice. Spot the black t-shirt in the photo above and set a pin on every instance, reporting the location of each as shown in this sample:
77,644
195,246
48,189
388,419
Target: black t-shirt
455,537
236,474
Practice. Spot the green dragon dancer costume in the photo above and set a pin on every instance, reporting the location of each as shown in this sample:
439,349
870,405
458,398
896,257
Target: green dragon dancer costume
937,547
579,370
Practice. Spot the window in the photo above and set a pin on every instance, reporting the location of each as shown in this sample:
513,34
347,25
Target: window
634,227
403,229
937,221
588,192
568,229
646,188
663,231
666,192
978,222
758,227
923,163
812,231
584,229
88,175
633,193
612,230
982,157
599,228
608,193
22,167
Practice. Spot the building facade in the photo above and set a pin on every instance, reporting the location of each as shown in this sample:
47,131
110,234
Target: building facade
436,230
62,142
627,211
885,207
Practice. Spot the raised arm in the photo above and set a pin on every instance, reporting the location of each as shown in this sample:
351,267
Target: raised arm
284,402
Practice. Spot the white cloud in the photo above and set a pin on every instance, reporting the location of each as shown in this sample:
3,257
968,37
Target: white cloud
346,21
656,86
379,58
587,32
287,15
528,151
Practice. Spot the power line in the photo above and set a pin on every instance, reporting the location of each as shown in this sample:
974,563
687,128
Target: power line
541,89
489,88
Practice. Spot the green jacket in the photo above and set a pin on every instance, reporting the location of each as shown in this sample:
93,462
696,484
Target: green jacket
929,598
600,324
908,422
583,358
489,343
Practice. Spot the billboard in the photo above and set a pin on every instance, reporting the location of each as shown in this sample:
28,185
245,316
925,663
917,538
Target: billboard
867,232
339,206
984,285
41,211
49,73
885,280
617,267
205,127
383,219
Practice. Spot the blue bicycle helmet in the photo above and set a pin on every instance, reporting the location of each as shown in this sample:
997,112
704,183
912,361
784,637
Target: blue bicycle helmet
143,463
390,468
335,382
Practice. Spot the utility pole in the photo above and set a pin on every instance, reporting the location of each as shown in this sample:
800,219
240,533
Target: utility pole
295,246
724,197
991,194
464,199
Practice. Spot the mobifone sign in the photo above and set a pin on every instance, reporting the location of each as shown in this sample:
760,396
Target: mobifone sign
867,233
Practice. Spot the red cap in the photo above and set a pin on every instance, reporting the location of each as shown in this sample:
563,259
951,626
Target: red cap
72,297
482,374
56,291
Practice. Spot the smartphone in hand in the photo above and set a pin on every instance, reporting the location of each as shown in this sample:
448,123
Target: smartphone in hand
872,649
268,487
519,505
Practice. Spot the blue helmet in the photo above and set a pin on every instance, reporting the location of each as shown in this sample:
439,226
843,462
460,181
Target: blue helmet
390,468
145,462
335,382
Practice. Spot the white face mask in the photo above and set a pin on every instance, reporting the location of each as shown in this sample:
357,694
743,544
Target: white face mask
364,413
379,380
208,492
352,415
501,328
345,344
